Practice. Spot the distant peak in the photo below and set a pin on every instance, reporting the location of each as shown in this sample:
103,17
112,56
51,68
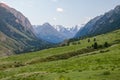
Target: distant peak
46,24
117,7
3,5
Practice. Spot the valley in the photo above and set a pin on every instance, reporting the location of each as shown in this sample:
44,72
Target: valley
96,64
89,51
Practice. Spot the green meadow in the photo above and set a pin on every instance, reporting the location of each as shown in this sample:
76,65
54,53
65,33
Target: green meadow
73,62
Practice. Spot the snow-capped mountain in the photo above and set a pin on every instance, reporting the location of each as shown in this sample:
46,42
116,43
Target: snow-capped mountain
49,33
55,34
69,32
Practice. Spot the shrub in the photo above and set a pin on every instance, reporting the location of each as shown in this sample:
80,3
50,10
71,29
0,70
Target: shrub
106,73
88,40
95,45
100,46
74,43
18,64
79,70
79,43
94,39
106,44
62,45
102,51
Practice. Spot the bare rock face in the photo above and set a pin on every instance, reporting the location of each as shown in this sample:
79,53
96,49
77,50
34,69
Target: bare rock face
21,19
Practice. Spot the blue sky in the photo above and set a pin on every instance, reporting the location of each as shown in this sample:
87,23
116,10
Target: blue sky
61,12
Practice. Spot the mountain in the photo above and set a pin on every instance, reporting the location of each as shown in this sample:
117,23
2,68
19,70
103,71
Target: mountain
110,21
78,61
49,33
54,34
16,32
68,32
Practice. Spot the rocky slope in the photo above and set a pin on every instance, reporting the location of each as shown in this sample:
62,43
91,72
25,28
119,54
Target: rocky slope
110,21
16,33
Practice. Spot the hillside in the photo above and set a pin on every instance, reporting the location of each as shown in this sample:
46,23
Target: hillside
16,33
101,24
78,61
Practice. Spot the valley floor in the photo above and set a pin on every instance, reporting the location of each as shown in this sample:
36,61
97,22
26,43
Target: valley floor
73,62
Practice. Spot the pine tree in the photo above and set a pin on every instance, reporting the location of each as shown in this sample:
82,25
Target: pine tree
95,46
106,44
88,40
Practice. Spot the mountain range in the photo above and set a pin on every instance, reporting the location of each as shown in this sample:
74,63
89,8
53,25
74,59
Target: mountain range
55,33
69,32
108,22
17,35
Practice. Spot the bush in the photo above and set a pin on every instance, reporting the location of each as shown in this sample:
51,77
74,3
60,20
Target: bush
100,46
95,45
106,73
103,51
18,64
79,43
88,40
79,70
106,44
74,43
94,39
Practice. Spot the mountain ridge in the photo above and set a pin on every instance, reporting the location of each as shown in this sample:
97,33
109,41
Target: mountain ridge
54,33
102,24
49,33
16,32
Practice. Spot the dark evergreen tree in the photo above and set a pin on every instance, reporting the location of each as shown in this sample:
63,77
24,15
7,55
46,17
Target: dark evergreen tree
106,44
94,39
88,40
79,43
95,46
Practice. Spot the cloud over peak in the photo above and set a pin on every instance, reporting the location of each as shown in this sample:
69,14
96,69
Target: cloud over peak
59,10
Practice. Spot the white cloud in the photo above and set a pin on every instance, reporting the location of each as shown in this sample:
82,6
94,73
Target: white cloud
59,10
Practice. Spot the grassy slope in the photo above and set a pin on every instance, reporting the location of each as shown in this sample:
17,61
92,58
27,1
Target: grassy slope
89,66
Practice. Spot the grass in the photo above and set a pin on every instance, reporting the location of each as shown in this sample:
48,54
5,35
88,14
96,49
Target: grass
101,64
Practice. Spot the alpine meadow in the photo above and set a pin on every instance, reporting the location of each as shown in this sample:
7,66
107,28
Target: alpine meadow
87,49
